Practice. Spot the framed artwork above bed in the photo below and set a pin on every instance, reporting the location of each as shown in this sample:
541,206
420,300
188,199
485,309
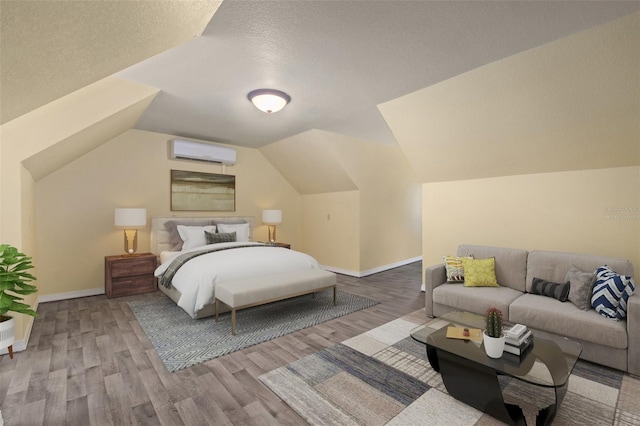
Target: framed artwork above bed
198,191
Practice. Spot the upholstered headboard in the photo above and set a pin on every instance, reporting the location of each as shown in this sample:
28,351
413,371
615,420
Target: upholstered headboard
160,240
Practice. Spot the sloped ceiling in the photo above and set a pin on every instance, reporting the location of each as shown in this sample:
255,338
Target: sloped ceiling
49,49
338,60
308,165
53,135
569,105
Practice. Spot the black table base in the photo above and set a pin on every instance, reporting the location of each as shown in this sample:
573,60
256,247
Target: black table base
477,385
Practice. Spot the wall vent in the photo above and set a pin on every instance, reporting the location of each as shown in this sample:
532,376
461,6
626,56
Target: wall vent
200,151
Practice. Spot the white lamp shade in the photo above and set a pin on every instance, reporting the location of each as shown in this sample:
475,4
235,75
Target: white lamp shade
271,217
131,218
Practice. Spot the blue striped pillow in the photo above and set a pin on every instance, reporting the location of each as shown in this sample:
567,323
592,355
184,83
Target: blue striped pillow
611,292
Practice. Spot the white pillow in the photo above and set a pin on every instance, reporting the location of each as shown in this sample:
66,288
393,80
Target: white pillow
241,230
193,236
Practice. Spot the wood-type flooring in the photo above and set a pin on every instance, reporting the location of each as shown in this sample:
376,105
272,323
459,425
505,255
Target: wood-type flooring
88,362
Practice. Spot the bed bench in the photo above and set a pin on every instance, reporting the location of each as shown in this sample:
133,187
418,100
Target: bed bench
271,288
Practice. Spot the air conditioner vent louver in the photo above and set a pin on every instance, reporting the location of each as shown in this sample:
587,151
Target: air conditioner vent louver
199,151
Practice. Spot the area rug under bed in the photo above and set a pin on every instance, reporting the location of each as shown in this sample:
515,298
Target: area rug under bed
182,342
383,377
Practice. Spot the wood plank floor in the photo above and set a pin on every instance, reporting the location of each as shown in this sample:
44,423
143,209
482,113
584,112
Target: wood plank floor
88,362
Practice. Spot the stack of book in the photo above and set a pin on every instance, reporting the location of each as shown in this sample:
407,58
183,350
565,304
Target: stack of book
518,339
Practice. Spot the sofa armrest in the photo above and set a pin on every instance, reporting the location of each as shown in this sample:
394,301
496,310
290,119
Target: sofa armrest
434,276
633,334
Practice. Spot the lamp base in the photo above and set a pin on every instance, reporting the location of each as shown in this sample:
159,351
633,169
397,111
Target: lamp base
272,233
130,241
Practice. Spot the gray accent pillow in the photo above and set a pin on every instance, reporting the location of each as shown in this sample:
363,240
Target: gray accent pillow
220,237
581,287
558,291
172,227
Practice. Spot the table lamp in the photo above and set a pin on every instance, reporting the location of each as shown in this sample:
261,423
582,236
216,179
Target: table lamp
131,220
272,218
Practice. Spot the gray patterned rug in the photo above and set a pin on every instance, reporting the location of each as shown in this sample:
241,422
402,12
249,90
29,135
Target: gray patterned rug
182,342
383,377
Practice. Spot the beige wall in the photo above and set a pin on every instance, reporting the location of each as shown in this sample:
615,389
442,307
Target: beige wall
99,112
532,151
332,229
372,187
389,209
75,205
586,211
27,246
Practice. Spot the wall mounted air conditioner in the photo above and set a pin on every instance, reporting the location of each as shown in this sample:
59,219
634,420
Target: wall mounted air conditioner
199,151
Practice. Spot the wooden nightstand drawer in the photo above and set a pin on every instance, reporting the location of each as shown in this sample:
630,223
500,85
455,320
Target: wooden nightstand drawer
133,266
126,275
132,285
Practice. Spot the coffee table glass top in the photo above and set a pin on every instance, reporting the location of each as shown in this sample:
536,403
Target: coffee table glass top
547,363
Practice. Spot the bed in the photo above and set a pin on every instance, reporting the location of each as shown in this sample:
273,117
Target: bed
192,285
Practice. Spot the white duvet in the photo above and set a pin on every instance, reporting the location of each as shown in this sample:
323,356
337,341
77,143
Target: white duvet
196,279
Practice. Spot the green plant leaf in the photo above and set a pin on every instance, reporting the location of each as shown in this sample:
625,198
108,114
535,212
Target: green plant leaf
14,280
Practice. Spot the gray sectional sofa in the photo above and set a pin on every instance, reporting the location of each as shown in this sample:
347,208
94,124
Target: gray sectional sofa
605,341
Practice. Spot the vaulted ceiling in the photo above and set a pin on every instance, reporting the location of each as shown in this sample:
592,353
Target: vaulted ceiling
49,49
338,60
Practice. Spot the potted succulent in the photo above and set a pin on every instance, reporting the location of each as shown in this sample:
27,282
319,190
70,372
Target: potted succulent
14,281
493,337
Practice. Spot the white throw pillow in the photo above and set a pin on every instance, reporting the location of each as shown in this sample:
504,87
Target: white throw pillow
241,230
193,236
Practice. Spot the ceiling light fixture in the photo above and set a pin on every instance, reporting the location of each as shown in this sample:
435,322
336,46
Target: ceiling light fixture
269,100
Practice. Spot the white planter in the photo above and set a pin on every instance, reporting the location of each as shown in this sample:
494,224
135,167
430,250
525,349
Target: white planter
7,333
493,346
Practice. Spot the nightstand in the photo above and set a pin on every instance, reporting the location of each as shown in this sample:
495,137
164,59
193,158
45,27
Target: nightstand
283,245
125,275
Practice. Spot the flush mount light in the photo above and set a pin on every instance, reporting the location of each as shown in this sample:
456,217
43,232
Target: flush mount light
269,100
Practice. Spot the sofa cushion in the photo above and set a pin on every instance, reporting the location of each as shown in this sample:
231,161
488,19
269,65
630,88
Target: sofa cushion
479,272
559,291
580,287
510,264
565,319
611,292
454,268
554,265
475,299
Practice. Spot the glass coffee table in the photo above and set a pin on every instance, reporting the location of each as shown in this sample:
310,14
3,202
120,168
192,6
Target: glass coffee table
472,377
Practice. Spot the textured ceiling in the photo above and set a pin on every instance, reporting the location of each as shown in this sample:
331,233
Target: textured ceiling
338,60
49,49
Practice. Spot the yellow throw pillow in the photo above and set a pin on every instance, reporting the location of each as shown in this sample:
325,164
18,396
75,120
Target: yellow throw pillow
480,272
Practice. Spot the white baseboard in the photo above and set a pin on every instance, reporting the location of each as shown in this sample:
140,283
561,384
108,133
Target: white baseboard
71,295
360,274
